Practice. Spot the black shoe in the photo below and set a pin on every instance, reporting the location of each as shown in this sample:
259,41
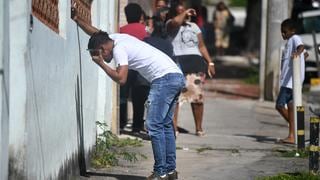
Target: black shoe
154,176
173,175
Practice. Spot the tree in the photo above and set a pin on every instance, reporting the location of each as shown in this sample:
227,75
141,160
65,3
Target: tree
252,26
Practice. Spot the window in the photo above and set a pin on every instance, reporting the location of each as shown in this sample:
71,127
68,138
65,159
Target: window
84,9
47,12
308,22
311,24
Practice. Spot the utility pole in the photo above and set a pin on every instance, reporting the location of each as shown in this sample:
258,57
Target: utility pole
297,103
278,10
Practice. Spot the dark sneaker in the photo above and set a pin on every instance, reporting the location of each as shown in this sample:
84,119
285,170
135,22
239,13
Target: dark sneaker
154,176
173,175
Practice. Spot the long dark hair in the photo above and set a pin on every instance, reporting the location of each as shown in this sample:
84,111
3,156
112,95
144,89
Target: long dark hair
159,29
173,9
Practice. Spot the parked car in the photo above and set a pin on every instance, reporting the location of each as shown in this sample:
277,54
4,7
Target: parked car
309,23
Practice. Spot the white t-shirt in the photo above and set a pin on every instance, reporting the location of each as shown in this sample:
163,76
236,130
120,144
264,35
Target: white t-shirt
150,62
287,62
186,41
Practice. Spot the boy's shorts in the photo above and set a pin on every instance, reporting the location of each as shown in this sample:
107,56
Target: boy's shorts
285,96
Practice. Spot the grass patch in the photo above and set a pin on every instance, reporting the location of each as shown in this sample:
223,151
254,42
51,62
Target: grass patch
234,151
110,149
253,76
291,176
208,148
203,149
304,153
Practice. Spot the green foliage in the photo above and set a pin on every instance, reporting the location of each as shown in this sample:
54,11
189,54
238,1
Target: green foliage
110,149
238,3
253,76
302,153
292,176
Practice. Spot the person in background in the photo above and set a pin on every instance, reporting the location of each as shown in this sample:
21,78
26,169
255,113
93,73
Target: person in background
193,58
147,22
159,37
294,48
206,27
134,13
223,22
140,90
161,4
161,9
138,86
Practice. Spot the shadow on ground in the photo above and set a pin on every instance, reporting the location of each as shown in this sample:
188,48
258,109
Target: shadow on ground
145,136
117,176
141,135
263,139
182,130
266,139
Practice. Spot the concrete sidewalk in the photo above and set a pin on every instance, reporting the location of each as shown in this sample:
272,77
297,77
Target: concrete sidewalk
239,144
240,135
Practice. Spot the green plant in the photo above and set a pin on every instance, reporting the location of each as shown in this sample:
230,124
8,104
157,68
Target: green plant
110,149
291,176
302,153
238,3
235,151
253,76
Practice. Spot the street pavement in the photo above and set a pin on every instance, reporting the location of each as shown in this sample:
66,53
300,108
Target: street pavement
240,141
239,144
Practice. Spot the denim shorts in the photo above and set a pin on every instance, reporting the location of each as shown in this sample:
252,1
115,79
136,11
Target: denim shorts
285,96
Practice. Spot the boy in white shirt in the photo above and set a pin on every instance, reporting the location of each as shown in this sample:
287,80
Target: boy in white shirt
294,47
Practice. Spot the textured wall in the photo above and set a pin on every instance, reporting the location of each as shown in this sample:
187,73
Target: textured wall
4,56
19,19
122,16
55,96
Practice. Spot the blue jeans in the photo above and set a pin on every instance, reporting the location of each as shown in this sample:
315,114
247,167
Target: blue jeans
161,103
